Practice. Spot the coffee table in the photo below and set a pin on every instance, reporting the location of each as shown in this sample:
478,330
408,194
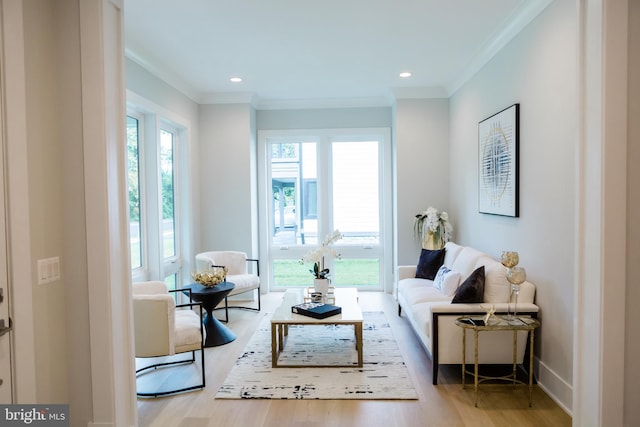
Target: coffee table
347,298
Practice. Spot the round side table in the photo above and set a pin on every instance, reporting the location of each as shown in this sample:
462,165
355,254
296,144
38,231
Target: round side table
210,297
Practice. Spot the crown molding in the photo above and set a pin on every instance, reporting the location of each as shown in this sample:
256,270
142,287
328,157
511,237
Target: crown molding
171,79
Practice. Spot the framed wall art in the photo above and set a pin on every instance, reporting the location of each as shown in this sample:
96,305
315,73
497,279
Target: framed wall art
498,163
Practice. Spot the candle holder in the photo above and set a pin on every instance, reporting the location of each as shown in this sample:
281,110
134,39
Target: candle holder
516,276
509,259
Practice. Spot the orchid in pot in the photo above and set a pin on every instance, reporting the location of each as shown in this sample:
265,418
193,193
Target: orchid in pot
317,257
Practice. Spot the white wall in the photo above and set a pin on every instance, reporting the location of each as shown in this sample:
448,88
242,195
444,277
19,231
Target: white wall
227,181
632,350
324,118
422,167
46,198
159,92
538,69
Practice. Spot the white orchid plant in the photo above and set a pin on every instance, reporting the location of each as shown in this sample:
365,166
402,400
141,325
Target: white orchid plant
433,222
318,255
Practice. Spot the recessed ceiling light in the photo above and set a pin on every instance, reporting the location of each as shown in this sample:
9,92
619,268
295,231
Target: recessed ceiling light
405,74
235,79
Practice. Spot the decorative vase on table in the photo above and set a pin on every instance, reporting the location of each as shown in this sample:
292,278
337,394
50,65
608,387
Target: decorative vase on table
321,285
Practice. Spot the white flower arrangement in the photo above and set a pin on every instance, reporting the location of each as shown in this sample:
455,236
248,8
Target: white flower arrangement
432,222
317,255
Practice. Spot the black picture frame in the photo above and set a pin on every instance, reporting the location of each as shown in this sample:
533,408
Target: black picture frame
499,163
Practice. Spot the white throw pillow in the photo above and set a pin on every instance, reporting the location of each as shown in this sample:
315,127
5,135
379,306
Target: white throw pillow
446,281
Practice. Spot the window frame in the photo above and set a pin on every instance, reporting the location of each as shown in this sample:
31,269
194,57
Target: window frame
324,139
152,119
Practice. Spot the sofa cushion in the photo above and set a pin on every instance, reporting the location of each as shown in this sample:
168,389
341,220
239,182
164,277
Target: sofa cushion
466,261
429,263
416,295
446,280
472,289
451,251
496,286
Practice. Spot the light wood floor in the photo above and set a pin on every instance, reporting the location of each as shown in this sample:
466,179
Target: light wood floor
446,404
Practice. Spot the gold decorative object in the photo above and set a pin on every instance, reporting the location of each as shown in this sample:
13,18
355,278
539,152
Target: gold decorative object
490,313
516,276
212,277
509,259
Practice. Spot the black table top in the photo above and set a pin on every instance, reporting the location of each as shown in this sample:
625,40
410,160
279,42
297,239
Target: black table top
197,288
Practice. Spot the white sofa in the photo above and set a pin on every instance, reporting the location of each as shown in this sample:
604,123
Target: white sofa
432,315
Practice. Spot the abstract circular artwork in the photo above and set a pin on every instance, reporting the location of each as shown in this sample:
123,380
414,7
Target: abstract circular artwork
498,163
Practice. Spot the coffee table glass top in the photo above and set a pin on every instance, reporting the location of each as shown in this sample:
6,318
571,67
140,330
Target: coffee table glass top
347,298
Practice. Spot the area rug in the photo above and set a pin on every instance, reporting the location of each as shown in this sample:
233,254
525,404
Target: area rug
383,375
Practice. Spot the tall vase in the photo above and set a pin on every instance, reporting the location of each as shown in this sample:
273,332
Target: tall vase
321,285
430,242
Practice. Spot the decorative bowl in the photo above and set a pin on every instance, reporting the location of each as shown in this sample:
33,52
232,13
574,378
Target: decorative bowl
211,277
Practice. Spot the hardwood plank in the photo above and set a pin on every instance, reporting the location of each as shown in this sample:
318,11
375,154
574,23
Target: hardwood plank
444,405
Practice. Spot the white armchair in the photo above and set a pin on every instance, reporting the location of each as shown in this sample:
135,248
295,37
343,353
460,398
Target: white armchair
238,273
163,328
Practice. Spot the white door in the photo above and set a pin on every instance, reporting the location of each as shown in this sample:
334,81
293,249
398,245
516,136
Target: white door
5,335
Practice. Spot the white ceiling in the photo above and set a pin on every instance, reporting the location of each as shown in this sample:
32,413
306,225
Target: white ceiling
322,52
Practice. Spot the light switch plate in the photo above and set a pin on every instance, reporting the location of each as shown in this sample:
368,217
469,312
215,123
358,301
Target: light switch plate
48,270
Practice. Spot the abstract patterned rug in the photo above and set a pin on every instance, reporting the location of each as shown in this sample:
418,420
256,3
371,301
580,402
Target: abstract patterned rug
383,376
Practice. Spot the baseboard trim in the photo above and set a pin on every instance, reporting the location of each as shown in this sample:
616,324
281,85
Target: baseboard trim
556,387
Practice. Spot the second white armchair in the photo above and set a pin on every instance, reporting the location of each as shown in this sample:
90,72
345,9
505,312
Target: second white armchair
238,273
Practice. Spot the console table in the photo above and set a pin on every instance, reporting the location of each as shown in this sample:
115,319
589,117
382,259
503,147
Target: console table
497,323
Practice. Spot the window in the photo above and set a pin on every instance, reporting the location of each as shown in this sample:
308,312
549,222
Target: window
321,181
153,146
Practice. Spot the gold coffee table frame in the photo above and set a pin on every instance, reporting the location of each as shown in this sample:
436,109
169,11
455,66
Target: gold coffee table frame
346,298
498,323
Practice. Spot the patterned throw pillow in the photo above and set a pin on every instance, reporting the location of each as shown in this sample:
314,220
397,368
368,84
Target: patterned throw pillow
446,281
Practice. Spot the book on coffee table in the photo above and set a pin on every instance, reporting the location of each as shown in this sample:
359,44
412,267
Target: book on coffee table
316,310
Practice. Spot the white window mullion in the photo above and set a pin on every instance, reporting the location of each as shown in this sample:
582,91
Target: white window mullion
152,162
170,230
324,188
